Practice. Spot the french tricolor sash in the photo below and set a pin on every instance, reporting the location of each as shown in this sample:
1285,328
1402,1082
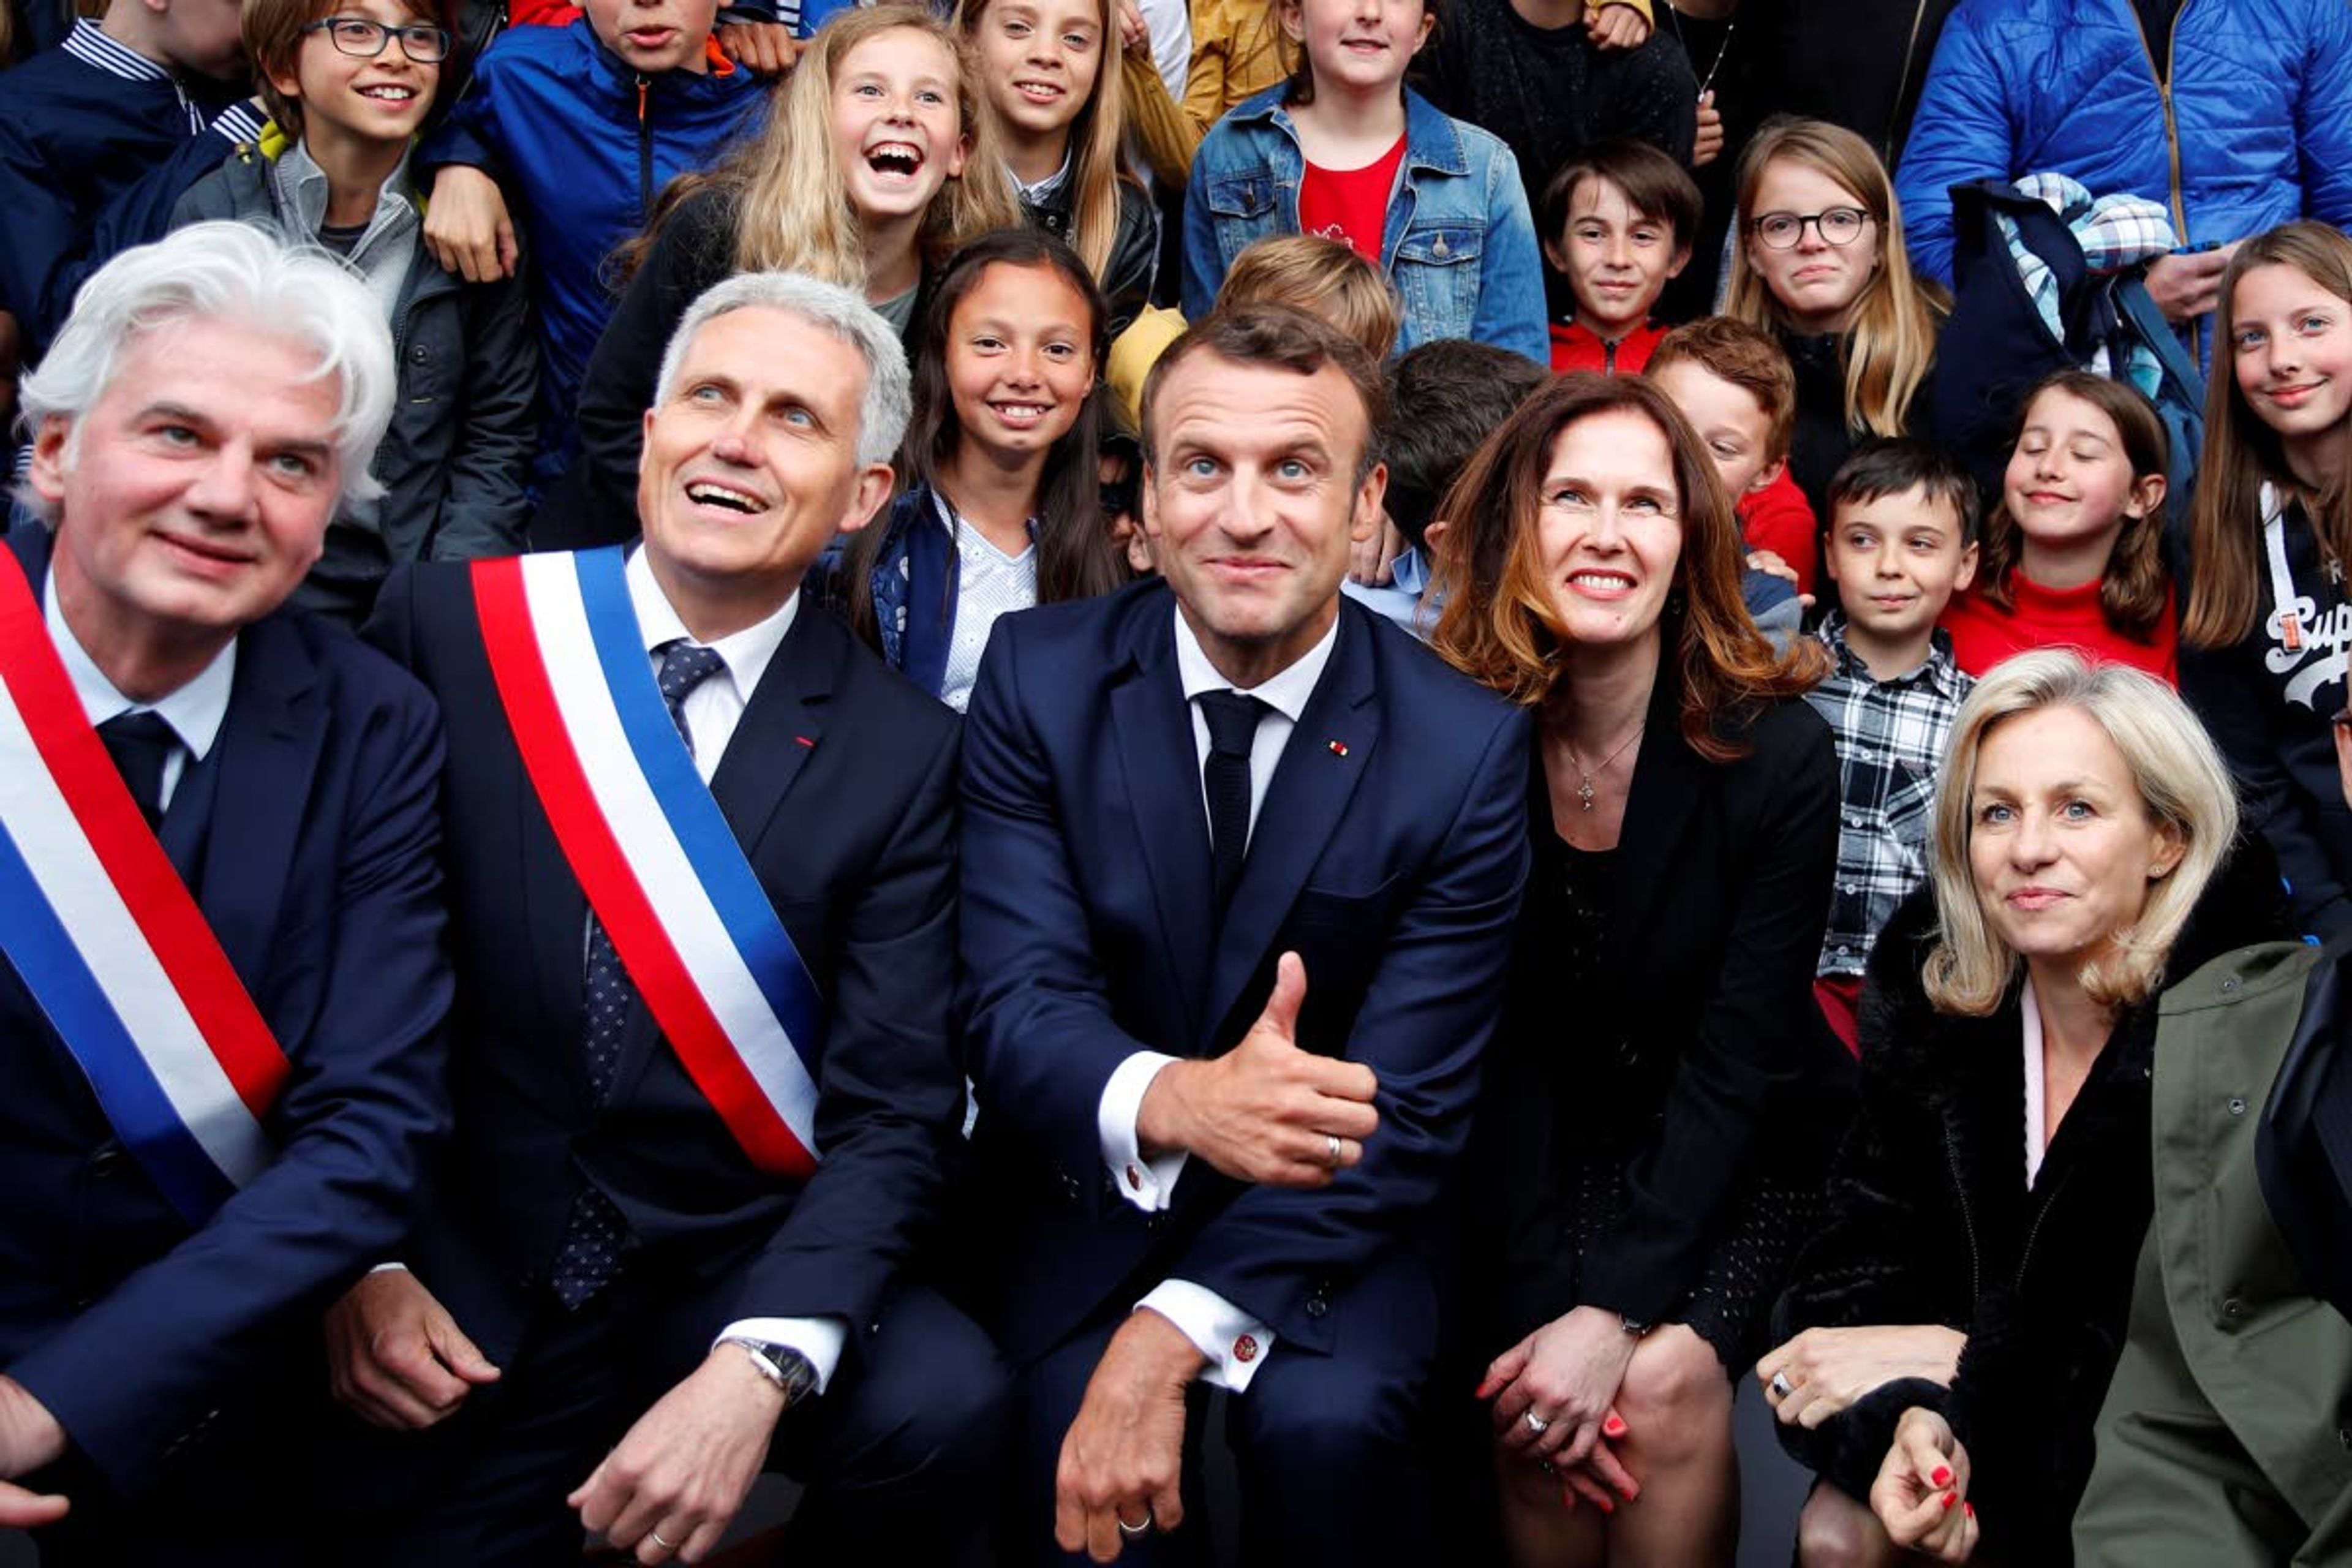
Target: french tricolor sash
110,942
655,855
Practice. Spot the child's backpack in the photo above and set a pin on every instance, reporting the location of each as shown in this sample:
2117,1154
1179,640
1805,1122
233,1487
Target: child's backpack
1999,341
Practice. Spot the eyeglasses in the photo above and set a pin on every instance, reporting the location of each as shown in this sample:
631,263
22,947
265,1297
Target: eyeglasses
363,39
1840,227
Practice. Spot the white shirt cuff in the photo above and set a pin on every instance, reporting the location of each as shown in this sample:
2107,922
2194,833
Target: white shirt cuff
1148,1184
819,1339
388,1267
1235,1344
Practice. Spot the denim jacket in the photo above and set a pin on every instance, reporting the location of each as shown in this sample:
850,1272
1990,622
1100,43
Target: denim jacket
1459,243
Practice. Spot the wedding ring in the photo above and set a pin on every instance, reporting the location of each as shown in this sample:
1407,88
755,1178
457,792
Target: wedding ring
1536,1424
1134,1530
1333,1140
655,1537
1781,1387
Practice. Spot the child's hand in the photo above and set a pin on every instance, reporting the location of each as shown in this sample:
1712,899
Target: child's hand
1134,33
1709,145
763,48
1769,563
1617,25
467,226
1371,563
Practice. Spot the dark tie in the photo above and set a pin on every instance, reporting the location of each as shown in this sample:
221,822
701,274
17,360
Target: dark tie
1233,728
141,743
590,1254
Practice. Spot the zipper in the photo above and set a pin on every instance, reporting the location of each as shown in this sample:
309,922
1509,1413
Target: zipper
2164,95
1967,1223
2049,1202
645,152
1910,55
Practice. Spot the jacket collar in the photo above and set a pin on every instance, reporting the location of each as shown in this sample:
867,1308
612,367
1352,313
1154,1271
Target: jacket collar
613,76
1432,141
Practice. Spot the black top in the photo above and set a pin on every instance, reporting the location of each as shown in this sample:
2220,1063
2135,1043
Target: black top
1856,63
1546,92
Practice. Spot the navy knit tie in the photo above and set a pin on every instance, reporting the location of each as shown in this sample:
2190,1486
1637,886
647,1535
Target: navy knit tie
1233,730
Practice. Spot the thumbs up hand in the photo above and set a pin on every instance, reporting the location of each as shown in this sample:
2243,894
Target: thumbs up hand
1265,1110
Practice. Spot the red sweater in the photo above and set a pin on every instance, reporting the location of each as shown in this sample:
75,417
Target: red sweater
1777,518
1983,634
1575,347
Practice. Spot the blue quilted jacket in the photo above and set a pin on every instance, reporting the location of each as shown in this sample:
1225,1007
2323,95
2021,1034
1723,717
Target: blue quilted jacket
2257,131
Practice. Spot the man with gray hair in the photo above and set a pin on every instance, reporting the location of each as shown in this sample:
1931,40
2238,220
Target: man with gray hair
221,988
703,890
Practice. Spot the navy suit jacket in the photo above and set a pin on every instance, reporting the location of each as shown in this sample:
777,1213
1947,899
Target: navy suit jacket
1389,853
308,834
840,782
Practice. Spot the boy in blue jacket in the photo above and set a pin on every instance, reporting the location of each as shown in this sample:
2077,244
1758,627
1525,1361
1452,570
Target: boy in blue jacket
577,129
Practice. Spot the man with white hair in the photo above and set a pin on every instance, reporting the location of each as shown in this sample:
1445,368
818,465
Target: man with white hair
223,992
702,884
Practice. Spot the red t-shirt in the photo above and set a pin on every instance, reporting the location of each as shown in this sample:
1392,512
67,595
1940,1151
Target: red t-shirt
1777,518
1578,347
1983,634
1350,204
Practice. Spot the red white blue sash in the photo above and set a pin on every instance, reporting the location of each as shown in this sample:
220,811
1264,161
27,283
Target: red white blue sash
112,944
657,858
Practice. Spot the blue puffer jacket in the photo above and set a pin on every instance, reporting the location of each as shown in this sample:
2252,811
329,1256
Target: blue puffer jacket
2260,127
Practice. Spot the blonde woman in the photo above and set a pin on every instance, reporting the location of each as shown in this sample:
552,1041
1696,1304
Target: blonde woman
909,171
1951,1333
1821,264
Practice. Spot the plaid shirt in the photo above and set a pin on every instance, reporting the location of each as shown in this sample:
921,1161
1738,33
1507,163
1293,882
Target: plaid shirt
1890,743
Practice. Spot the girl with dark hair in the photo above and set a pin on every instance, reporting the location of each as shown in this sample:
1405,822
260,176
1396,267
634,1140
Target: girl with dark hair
1648,1154
1003,508
2073,555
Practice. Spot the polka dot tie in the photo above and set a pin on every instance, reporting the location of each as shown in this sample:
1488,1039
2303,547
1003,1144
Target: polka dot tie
593,1238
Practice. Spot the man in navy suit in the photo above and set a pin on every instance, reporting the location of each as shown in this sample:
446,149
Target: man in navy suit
165,1246
621,1299
1241,863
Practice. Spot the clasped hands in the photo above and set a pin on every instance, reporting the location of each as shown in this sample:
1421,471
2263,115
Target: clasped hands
397,1359
1553,1394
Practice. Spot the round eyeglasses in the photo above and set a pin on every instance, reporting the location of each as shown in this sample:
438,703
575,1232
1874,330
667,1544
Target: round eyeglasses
363,39
1838,227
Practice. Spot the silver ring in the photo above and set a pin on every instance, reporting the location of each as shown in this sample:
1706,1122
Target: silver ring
655,1537
1536,1424
1333,1140
1781,1387
1134,1530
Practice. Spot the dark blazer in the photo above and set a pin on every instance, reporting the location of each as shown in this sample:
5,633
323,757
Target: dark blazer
1932,1222
840,780
2303,1152
1695,1055
308,833
1389,853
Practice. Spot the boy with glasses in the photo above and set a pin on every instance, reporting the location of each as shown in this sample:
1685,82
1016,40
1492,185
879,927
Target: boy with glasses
347,85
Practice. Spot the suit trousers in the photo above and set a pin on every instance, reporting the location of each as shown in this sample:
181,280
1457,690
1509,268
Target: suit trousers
1328,1447
899,1455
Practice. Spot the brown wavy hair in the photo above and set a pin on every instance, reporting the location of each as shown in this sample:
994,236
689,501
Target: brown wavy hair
1499,626
2135,590
2241,452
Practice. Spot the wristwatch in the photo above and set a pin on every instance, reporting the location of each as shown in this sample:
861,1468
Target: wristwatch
1634,1328
783,1367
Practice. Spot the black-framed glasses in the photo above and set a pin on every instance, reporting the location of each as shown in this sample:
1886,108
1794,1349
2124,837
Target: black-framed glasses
363,39
1840,227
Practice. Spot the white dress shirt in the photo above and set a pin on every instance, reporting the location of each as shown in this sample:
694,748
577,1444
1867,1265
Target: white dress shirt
1235,1342
195,711
2037,1100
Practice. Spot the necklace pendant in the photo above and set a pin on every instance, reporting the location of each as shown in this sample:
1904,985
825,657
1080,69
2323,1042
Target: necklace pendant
1584,792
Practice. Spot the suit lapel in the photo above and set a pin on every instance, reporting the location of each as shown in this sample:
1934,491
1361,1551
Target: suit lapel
1327,751
1664,790
269,746
1169,816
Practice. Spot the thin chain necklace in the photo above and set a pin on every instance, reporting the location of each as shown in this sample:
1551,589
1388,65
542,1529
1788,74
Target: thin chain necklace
1584,790
1673,19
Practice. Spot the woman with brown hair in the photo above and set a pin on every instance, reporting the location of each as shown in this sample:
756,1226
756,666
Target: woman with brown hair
1648,1154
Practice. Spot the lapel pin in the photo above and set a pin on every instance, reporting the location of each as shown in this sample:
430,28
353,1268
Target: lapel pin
805,741
1338,748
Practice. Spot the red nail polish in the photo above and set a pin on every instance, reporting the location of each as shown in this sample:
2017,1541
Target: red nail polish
1614,1426
1950,1498
1943,1476
1971,1508
1607,1507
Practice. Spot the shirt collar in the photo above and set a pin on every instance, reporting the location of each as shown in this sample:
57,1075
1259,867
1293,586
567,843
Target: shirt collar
1047,189
1938,668
746,654
195,711
1286,693
89,44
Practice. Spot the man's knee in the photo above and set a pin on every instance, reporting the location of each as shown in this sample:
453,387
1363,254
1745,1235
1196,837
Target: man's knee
938,1399
1341,1419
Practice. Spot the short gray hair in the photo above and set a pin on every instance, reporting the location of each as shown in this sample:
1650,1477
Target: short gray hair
889,390
234,273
